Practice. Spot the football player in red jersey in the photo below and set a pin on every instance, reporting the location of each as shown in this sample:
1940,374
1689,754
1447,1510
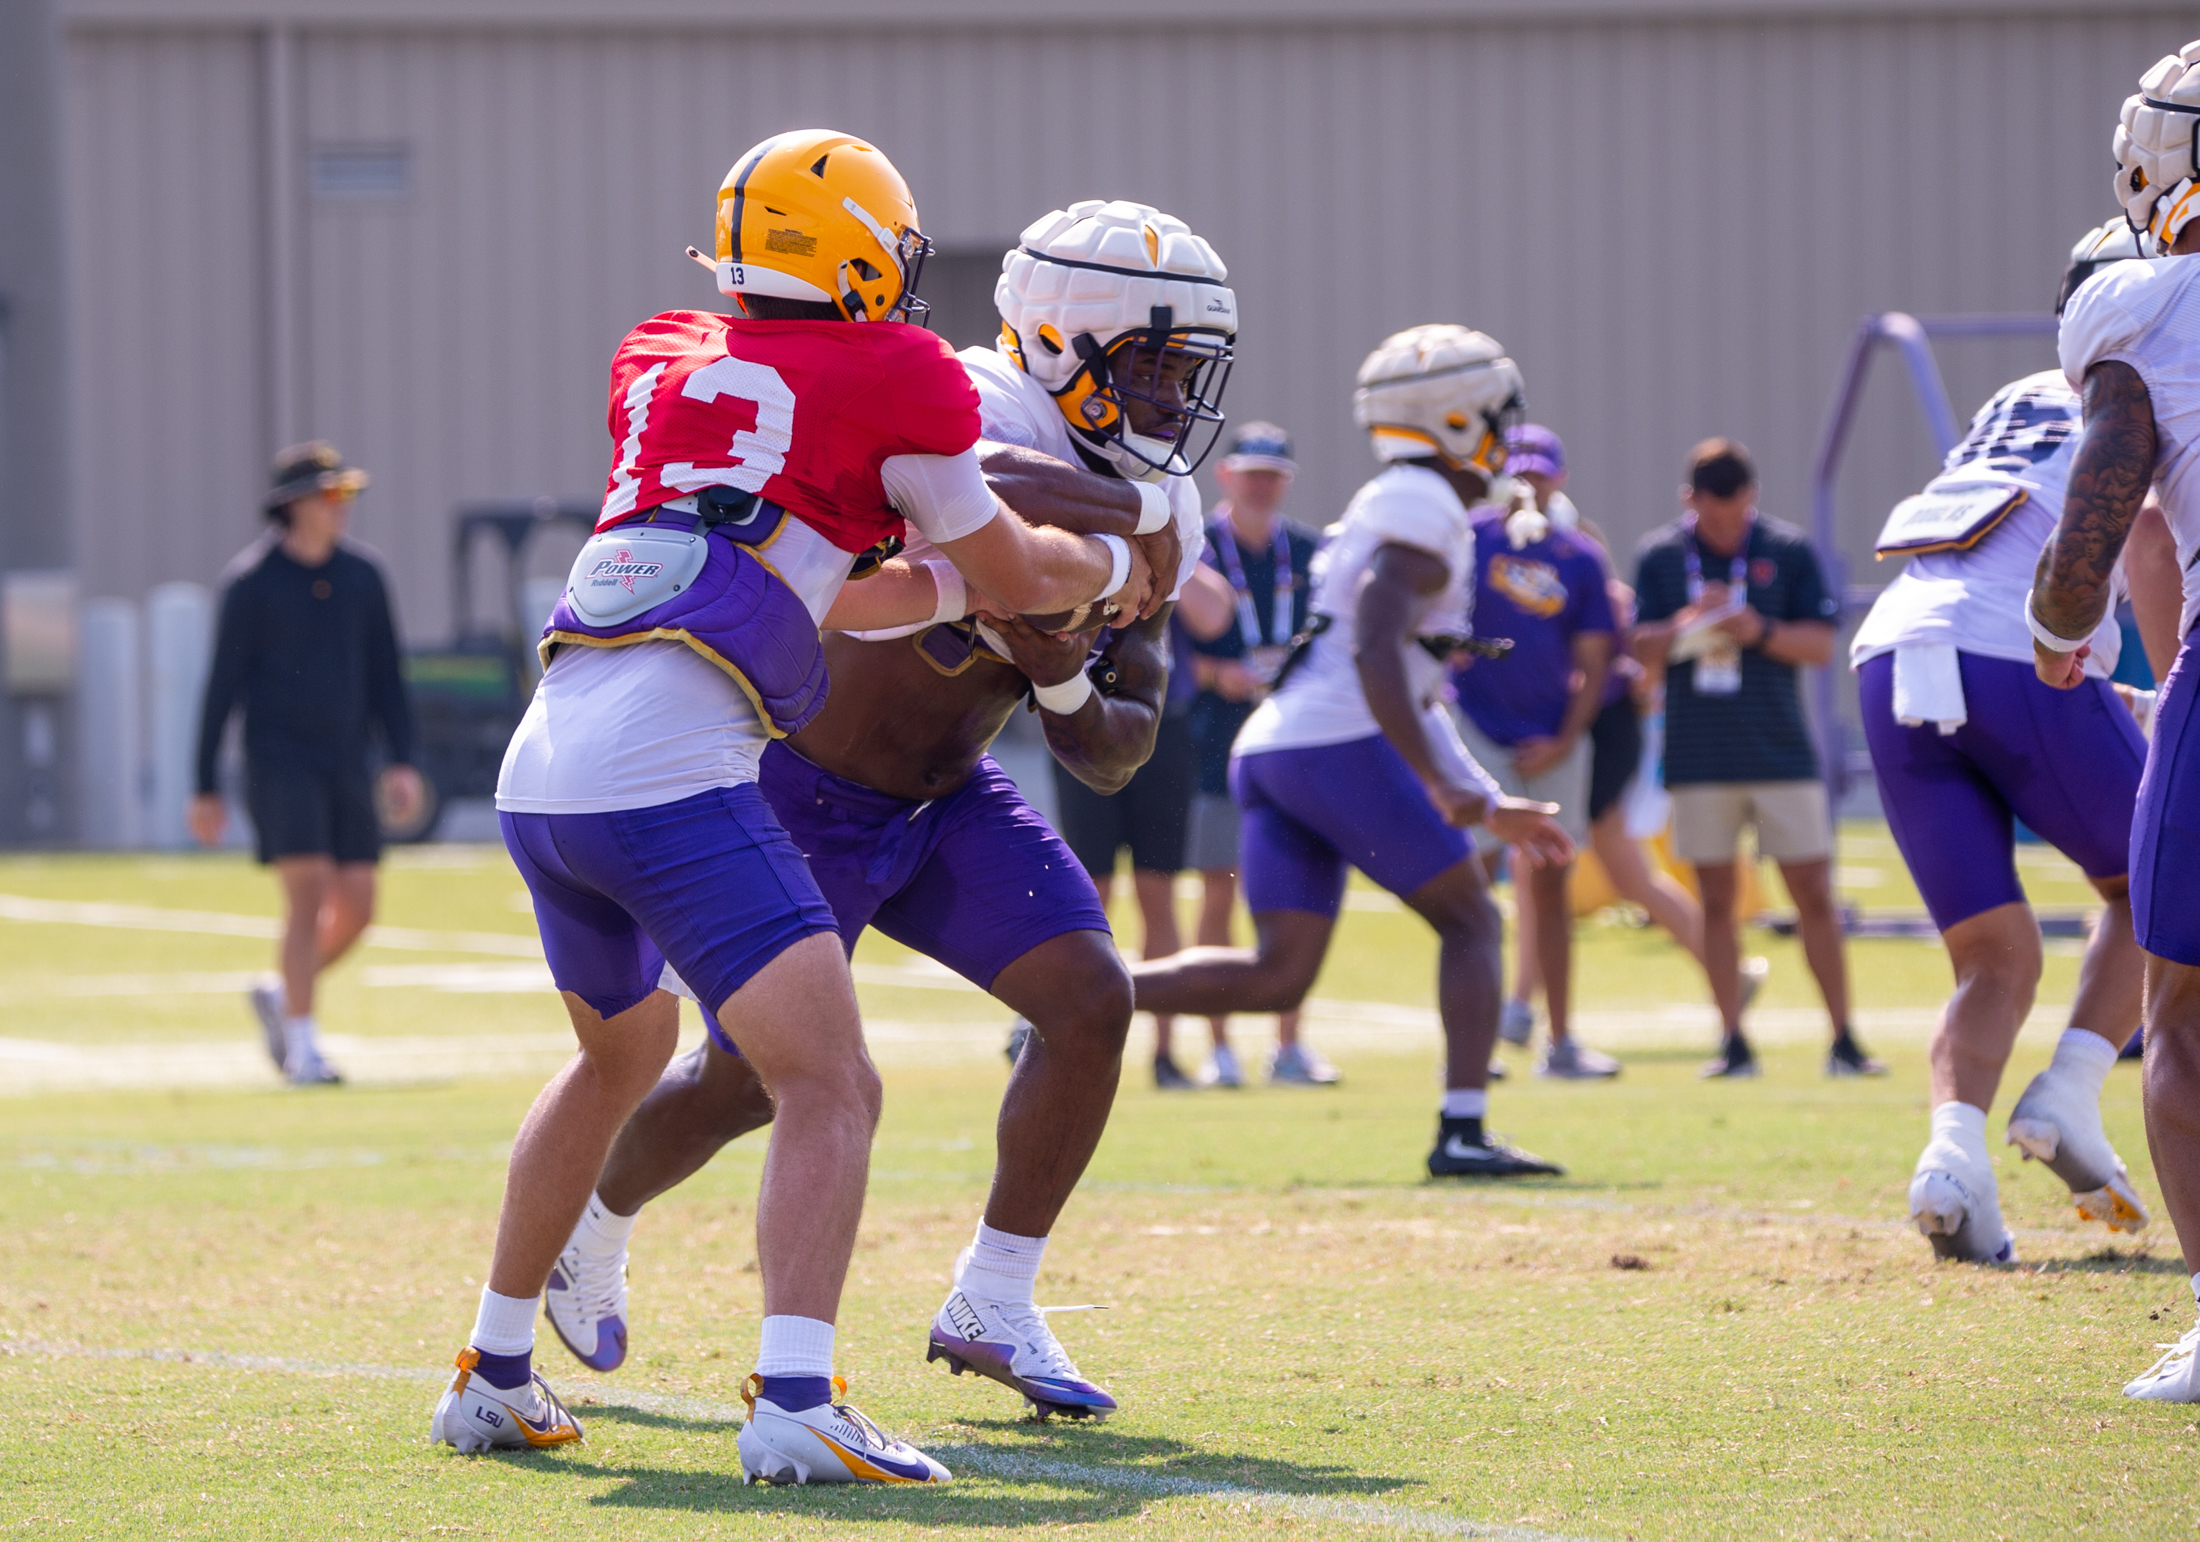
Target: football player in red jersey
756,455
910,826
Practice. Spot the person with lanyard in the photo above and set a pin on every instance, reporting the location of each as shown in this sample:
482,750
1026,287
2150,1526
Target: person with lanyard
1620,749
1266,559
1732,605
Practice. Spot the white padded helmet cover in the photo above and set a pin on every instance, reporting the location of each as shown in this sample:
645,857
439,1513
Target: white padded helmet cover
1142,252
1441,383
2158,148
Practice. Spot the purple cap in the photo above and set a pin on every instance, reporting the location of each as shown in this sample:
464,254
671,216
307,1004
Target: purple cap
1532,447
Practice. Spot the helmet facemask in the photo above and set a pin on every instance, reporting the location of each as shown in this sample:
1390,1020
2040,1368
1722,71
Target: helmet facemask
1172,377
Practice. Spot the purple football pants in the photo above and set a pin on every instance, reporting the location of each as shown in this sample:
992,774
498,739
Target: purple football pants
2066,763
1310,814
2165,834
711,883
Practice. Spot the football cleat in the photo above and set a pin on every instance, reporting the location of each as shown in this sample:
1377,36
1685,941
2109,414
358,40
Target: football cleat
1295,1065
1019,1034
586,1304
1010,1342
474,1416
2171,1379
267,1006
1223,1069
830,1443
1570,1060
2060,1125
1461,1153
1516,1022
1954,1202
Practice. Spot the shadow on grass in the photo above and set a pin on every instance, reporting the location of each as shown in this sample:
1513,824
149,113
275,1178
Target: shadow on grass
1073,1474
2106,1261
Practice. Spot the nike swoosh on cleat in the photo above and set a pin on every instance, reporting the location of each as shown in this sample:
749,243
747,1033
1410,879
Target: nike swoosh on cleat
879,1467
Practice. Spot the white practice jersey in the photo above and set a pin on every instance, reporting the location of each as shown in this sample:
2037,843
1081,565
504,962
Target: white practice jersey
2022,440
2146,313
1016,409
1321,702
651,723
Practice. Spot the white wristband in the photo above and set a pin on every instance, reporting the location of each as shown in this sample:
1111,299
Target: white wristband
1119,564
1063,699
2051,641
954,594
1154,512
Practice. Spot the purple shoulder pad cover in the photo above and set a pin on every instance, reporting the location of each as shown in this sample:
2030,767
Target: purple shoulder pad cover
741,616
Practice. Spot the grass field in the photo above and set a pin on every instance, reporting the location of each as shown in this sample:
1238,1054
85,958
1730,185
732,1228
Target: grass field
225,1309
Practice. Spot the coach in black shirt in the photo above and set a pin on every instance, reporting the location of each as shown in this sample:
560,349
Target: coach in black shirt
307,648
1733,605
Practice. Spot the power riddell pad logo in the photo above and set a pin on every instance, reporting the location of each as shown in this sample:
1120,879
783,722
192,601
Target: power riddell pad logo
623,570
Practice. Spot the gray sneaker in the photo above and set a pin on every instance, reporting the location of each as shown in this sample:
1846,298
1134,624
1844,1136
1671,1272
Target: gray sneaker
1571,1060
1295,1065
1516,1022
267,1005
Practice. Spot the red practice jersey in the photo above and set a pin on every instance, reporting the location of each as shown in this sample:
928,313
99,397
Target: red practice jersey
803,412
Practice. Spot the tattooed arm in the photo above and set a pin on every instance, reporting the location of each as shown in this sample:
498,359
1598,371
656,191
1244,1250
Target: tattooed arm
2108,482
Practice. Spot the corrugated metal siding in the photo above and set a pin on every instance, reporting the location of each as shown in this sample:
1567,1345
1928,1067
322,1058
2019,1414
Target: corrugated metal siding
164,230
1674,226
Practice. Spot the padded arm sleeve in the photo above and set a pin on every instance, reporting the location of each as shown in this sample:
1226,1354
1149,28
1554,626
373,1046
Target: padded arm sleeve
943,496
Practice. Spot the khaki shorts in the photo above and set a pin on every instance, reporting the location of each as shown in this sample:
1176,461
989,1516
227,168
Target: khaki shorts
1565,784
1791,819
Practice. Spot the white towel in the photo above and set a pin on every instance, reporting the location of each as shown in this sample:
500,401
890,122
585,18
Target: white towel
1928,686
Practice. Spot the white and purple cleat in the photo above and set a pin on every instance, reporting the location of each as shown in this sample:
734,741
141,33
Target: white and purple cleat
1010,1342
586,1303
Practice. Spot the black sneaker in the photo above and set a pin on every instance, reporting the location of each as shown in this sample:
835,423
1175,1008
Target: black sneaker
1735,1059
1167,1078
1465,1150
1847,1058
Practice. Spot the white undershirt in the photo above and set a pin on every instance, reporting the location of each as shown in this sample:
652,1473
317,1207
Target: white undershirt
654,722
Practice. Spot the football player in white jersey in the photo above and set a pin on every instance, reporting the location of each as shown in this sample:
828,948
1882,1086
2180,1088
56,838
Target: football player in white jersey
1965,740
1353,761
1124,322
2130,346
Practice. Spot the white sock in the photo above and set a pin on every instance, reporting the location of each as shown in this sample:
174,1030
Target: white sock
505,1325
601,1229
2196,1290
1466,1102
1964,1125
2085,1057
795,1346
302,1045
1002,1266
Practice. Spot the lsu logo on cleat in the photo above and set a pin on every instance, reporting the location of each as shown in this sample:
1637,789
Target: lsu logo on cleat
492,1418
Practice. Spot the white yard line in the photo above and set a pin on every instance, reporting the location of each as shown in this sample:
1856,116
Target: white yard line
988,1461
219,923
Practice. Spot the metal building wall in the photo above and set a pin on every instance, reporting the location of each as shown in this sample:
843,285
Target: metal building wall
1674,224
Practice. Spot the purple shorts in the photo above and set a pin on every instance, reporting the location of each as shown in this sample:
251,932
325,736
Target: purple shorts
711,883
975,879
2065,762
2165,834
1309,814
